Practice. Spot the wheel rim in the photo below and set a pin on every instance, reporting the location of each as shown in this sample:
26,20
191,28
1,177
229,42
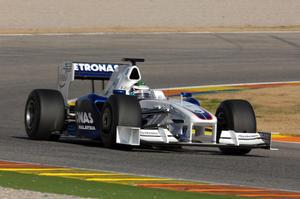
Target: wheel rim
106,120
30,114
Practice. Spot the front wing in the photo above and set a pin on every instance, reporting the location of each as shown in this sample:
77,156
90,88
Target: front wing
163,137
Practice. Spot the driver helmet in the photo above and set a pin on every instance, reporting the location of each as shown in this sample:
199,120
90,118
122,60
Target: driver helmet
141,90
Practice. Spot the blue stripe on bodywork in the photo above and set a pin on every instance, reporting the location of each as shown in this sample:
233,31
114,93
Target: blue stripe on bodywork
203,115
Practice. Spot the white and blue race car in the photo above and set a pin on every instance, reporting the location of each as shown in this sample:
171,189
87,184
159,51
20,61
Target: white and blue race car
128,113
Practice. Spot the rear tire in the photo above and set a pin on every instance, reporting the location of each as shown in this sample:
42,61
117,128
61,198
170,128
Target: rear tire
119,110
44,114
236,115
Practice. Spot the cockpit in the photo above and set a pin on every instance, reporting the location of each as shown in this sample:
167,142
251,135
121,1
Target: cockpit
143,92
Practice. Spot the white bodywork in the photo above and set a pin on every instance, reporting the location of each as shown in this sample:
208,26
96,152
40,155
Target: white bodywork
166,121
166,130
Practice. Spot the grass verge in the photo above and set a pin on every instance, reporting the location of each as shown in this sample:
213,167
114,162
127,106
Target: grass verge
277,109
82,188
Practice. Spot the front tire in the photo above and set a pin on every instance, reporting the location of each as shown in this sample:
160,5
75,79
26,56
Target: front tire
44,114
236,115
119,110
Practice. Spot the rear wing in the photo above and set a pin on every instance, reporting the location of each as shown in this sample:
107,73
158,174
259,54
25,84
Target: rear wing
93,71
84,71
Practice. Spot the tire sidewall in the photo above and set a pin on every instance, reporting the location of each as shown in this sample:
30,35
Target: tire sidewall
108,135
33,99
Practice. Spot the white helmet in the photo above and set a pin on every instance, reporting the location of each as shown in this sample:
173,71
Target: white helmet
141,90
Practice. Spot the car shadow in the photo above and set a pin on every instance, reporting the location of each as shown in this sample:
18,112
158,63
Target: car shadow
83,142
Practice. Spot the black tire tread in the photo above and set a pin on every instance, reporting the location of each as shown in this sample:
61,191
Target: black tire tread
126,111
240,117
50,114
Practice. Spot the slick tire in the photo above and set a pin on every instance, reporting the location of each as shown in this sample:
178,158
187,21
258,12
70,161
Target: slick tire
237,115
119,110
44,114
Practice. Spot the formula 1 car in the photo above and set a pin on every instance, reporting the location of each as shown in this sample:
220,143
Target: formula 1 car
129,113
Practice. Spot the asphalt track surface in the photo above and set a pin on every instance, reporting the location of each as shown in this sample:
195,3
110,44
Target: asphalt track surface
29,62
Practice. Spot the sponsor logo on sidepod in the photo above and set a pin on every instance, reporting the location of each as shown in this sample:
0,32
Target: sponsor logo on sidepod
95,67
85,121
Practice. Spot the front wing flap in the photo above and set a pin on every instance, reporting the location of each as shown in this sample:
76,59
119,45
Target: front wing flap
230,137
163,137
